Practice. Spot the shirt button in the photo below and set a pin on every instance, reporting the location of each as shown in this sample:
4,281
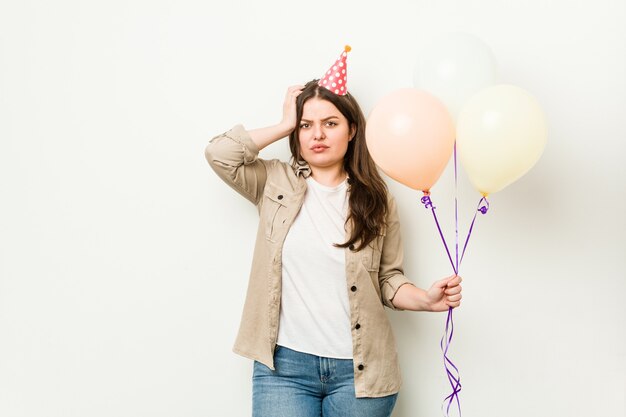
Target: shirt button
353,288
280,197
358,326
361,367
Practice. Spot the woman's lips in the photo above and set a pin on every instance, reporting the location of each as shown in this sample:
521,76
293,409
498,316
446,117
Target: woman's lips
319,148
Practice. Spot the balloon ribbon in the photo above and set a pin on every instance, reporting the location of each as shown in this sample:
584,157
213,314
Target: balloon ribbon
452,371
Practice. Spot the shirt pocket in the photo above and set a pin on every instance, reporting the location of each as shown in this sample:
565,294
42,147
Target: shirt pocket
275,210
371,254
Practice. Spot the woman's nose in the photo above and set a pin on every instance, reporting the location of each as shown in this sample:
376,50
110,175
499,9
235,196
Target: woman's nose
318,132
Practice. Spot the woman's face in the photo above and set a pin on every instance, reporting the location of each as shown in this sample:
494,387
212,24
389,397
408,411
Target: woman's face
324,134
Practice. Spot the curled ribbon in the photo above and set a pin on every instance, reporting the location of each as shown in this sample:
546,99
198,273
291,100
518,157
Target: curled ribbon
452,371
427,202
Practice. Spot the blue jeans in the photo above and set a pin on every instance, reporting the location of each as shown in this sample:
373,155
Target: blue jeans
305,385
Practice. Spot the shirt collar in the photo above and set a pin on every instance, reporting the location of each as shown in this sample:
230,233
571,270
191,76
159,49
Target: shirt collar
301,168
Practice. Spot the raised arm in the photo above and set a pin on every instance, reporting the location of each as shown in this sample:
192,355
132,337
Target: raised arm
267,135
233,155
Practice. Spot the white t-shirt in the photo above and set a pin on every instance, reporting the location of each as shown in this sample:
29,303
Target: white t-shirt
315,311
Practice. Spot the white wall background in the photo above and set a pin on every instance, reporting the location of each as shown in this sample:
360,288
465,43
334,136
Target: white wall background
124,260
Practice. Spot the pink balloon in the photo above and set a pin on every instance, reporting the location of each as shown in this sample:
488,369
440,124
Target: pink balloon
410,135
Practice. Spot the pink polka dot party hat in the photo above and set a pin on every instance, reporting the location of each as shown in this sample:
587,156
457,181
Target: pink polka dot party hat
335,79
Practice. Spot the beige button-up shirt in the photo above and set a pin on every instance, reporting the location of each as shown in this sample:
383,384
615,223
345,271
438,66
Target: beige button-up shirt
373,275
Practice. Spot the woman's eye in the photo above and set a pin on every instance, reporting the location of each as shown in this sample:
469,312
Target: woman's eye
304,125
331,124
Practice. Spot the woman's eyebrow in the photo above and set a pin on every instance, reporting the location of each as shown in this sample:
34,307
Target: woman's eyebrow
323,120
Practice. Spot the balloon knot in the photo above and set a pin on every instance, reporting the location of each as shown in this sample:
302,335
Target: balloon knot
484,208
428,204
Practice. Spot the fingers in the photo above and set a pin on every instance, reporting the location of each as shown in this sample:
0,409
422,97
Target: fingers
448,283
453,291
289,106
295,90
454,298
454,280
453,304
451,288
292,93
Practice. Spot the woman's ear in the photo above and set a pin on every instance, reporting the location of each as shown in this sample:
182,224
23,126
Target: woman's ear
352,131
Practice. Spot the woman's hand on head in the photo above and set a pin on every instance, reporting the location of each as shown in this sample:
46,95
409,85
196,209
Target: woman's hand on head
289,107
445,293
270,134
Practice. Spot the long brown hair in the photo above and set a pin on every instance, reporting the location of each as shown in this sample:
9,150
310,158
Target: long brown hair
368,192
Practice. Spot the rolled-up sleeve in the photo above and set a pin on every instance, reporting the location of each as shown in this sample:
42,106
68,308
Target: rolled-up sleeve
234,157
391,273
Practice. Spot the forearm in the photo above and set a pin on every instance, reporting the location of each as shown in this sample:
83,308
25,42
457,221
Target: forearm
410,297
265,136
234,157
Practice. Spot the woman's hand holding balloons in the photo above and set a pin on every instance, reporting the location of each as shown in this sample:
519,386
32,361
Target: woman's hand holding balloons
444,294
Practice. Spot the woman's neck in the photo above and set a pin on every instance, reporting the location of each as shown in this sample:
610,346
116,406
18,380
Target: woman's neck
329,178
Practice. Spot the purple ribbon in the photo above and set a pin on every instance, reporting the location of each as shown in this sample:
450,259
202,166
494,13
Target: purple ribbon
428,204
452,371
481,208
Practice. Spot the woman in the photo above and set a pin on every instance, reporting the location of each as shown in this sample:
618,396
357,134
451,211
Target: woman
328,257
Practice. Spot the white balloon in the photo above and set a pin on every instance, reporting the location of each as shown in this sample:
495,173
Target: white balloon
453,68
501,133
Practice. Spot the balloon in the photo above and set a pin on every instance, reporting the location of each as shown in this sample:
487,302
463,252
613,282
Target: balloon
455,67
501,133
410,136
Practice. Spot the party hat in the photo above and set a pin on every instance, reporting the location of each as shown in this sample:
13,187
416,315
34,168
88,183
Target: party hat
336,77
